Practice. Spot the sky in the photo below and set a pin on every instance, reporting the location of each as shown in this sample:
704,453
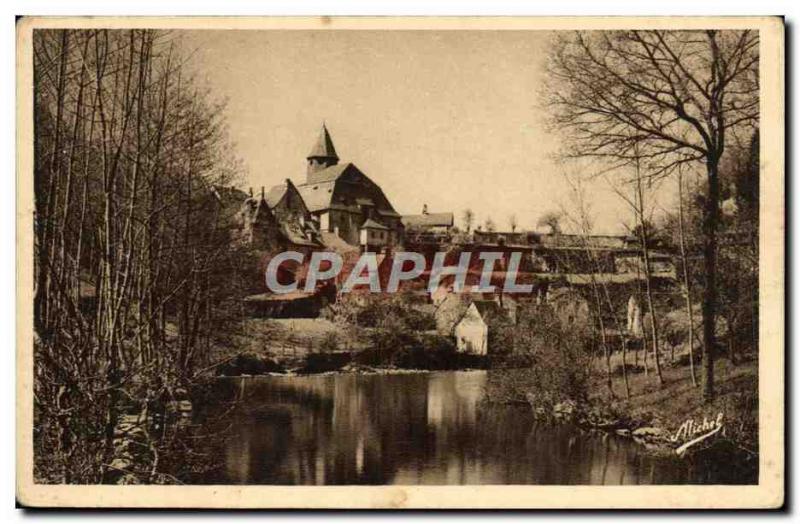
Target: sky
451,119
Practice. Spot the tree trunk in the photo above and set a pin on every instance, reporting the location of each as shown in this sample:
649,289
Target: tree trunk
710,224
687,289
648,288
625,368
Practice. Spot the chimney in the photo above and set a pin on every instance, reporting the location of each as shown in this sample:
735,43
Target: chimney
424,209
251,192
262,192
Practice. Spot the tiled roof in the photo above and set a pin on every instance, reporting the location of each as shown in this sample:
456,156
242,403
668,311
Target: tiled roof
428,220
334,242
317,196
371,224
318,191
230,200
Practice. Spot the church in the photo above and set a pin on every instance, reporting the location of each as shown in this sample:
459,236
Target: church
343,200
336,206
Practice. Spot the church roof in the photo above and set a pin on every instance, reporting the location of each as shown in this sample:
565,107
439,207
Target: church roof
317,196
318,191
328,174
324,146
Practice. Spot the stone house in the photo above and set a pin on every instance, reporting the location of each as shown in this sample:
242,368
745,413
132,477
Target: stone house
255,225
294,219
263,227
286,203
374,237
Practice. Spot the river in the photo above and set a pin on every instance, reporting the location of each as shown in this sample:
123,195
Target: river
418,428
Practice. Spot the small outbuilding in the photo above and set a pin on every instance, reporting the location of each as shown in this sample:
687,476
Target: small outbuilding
374,236
472,330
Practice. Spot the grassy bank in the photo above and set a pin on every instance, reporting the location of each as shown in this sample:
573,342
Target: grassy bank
653,413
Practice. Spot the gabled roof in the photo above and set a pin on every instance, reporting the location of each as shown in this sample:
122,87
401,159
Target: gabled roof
278,192
485,309
228,194
371,224
334,242
229,200
294,234
275,194
323,148
428,220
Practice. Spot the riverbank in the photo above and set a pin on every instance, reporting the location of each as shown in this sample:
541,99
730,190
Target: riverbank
310,346
364,362
661,418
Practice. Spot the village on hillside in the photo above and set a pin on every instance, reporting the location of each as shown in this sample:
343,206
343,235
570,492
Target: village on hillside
337,207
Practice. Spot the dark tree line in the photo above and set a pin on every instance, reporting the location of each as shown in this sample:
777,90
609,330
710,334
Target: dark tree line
130,243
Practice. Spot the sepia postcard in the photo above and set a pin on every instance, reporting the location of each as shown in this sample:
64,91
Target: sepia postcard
400,262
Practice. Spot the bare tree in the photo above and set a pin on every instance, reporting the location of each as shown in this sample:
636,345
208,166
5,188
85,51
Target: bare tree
468,217
580,218
664,98
129,243
512,223
488,225
687,286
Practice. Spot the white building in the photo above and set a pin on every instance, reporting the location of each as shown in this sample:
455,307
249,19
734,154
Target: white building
472,331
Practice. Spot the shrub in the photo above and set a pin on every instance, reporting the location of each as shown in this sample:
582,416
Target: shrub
559,358
330,343
325,362
432,352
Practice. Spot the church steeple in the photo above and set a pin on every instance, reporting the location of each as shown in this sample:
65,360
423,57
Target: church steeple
323,154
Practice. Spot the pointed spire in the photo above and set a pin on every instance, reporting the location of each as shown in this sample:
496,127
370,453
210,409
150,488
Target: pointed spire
324,146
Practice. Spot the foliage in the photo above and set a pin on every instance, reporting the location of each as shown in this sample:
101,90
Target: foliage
387,310
552,221
558,355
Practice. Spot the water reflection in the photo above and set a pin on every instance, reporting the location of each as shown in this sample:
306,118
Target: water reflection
417,429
